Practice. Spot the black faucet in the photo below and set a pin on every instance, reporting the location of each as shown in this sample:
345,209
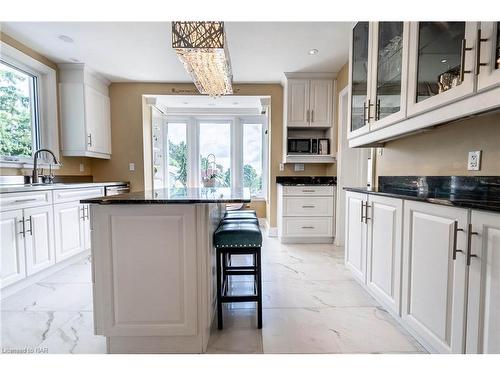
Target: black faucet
34,175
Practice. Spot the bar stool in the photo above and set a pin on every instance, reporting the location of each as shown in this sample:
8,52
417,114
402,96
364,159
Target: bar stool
242,238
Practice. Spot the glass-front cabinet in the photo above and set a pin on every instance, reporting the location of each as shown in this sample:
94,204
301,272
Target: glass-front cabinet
389,72
441,63
358,69
488,64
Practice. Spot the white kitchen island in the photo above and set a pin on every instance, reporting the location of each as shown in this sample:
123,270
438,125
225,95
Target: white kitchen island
153,267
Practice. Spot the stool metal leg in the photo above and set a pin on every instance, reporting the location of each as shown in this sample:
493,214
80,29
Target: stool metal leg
258,264
219,287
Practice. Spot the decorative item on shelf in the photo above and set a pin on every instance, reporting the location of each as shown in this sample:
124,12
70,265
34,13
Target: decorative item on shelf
448,80
209,175
324,146
202,48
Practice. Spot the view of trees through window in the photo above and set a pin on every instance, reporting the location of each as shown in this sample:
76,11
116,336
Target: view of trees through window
252,158
16,106
177,155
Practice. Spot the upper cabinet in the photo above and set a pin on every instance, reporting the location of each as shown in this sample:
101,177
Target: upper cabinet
85,112
407,76
378,71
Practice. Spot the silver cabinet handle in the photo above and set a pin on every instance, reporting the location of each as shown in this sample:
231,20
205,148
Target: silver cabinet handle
308,191
480,40
30,230
90,139
463,50
307,116
308,206
23,231
312,115
362,209
456,229
307,227
367,206
469,245
82,210
86,212
25,200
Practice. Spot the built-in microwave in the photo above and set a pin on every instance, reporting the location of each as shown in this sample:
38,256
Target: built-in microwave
302,146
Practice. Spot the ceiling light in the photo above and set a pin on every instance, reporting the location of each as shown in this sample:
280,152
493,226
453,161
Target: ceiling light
74,60
444,60
202,48
65,38
313,51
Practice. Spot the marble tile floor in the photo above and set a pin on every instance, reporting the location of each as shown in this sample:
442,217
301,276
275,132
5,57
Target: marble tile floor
311,305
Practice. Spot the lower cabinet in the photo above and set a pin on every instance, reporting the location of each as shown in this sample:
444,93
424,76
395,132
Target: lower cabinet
39,238
69,229
355,237
483,308
86,226
12,264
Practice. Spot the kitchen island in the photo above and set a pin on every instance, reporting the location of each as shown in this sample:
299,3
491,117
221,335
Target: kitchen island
153,267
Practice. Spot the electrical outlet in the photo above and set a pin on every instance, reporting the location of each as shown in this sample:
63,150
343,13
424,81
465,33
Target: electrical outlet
380,151
131,167
298,167
474,162
282,167
82,167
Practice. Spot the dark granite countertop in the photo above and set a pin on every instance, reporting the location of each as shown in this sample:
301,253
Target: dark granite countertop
306,180
177,196
480,193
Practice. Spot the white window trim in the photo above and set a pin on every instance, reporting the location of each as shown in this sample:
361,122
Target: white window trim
47,102
236,151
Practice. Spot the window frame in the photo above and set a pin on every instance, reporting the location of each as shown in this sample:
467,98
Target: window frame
46,105
236,146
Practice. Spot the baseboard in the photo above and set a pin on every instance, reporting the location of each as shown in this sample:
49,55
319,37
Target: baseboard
272,232
33,279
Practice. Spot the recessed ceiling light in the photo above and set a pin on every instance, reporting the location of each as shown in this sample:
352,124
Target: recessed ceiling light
65,38
444,60
74,60
313,51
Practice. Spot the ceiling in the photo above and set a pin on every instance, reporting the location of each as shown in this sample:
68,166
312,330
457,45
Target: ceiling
141,51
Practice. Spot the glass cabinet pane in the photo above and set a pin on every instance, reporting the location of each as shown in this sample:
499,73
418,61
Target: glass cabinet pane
359,74
497,48
439,53
389,66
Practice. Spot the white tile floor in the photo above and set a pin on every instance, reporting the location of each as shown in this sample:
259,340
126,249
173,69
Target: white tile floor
311,305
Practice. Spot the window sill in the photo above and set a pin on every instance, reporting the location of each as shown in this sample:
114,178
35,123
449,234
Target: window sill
25,165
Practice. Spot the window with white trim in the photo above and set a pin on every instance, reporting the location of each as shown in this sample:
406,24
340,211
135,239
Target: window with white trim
214,151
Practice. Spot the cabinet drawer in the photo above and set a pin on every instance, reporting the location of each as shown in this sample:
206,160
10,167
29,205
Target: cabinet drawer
69,195
308,190
307,226
14,201
308,206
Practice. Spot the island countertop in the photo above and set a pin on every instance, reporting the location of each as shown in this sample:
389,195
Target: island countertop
177,196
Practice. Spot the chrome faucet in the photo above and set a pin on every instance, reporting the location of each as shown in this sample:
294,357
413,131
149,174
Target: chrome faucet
34,175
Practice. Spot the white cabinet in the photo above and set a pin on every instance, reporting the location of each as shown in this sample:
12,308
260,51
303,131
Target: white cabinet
384,218
68,219
483,317
305,213
355,237
86,226
488,55
298,102
434,274
85,112
39,238
13,266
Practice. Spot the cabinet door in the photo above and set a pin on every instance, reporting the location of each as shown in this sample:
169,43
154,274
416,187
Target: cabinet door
360,106
389,72
434,283
68,219
441,64
384,250
12,265
298,102
355,238
93,118
105,131
483,318
86,225
321,103
488,66
40,249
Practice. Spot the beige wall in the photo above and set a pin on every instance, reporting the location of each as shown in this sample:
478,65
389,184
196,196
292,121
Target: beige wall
71,165
443,151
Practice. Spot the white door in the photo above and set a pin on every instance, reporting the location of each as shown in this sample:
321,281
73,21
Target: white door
68,219
483,313
321,102
40,249
355,238
84,208
384,250
12,265
298,113
434,283
488,66
441,64
389,72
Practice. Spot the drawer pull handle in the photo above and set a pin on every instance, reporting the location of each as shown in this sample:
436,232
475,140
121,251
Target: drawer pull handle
307,227
308,190
455,232
25,200
309,206
30,230
469,245
23,231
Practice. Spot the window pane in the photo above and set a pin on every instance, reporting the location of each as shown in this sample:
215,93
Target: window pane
215,154
16,112
177,155
252,158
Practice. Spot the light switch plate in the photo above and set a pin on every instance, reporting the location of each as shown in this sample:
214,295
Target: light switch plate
131,167
82,167
298,167
282,167
474,161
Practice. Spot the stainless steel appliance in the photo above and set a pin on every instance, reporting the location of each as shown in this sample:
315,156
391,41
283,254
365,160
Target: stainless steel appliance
116,189
302,146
